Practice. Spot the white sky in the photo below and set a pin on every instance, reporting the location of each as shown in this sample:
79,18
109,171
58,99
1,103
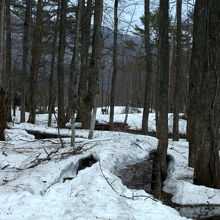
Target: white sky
130,12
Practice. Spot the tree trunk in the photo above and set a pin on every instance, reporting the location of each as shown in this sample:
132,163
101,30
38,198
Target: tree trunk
163,96
74,69
157,94
2,69
8,59
148,69
95,66
2,41
115,66
198,62
52,69
206,142
35,63
92,123
24,76
178,73
60,65
83,114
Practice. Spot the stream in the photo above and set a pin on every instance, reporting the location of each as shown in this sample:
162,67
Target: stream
138,176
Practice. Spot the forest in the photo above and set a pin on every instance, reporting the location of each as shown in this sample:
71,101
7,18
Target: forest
109,109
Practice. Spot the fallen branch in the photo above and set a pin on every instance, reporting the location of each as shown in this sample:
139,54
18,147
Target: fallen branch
5,167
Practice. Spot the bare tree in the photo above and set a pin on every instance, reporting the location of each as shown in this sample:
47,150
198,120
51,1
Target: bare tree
178,74
74,75
148,68
198,61
160,171
60,64
2,69
24,76
115,65
207,107
52,97
8,58
95,62
83,114
74,67
35,63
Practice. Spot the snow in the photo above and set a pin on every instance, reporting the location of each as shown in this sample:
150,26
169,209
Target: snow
135,119
179,181
39,192
94,193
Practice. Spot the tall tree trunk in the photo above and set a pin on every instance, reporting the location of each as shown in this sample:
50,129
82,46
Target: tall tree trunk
83,114
206,142
178,73
74,71
115,66
60,65
74,68
95,62
35,63
161,172
2,69
52,69
198,62
157,94
24,76
8,59
147,98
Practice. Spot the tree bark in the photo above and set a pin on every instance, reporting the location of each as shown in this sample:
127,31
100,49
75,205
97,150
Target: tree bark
52,88
198,63
115,66
95,62
60,65
74,68
207,132
8,59
148,83
74,71
35,63
83,114
178,73
163,96
25,58
2,69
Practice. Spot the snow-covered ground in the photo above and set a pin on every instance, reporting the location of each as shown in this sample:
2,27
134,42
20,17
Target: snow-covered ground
32,174
31,191
179,181
134,120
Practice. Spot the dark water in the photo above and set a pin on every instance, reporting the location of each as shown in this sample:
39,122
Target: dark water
138,176
206,212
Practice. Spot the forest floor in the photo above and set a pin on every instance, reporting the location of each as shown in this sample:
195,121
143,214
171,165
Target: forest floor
44,179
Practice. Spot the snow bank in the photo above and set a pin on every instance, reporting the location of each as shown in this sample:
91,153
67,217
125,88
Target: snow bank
179,181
